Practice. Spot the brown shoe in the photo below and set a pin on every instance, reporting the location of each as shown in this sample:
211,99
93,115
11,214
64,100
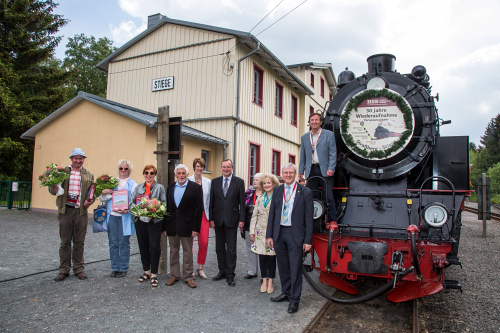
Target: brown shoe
171,281
61,276
191,283
81,276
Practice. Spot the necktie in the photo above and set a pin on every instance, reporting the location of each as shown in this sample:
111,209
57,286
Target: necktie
226,186
286,206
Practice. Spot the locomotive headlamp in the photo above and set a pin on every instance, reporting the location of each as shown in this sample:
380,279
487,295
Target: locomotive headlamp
435,215
377,83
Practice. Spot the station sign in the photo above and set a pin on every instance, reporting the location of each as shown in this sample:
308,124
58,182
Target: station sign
162,83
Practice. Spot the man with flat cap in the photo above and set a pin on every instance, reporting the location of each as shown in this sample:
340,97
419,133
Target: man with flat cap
74,196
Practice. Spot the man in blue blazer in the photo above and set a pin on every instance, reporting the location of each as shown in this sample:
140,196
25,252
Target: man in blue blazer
318,157
289,232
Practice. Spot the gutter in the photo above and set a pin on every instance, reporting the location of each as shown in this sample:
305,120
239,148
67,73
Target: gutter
238,118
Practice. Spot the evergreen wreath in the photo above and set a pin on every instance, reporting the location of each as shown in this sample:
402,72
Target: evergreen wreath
353,105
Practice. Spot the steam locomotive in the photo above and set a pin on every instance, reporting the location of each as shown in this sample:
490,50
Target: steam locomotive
399,187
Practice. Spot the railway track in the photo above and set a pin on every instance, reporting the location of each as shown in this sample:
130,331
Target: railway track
494,216
375,316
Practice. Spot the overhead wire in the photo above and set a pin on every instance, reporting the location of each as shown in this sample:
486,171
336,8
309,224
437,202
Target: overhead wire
282,17
265,16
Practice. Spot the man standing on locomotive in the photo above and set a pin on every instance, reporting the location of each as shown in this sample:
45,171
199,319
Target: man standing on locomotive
318,157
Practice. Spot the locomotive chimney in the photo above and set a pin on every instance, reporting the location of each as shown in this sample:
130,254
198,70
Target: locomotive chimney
383,62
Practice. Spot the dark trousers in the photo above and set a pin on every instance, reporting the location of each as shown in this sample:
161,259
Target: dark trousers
148,238
225,247
72,231
315,184
289,255
267,266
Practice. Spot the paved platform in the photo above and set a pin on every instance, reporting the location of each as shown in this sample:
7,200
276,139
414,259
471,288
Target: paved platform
29,243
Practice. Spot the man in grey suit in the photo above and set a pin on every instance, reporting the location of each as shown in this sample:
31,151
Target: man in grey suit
318,157
289,232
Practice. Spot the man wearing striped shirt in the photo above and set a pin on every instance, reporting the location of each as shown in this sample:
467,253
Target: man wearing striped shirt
74,196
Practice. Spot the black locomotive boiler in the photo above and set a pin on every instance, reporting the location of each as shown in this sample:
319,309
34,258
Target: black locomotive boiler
399,186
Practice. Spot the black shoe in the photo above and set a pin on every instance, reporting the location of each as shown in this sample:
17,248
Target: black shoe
293,307
61,276
280,298
230,282
219,276
120,274
113,273
250,276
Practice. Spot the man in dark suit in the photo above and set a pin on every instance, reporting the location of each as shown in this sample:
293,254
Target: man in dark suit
227,212
183,222
289,232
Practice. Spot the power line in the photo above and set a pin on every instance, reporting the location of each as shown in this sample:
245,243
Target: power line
282,17
265,16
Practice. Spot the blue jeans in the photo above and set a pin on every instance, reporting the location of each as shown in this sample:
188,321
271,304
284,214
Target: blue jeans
119,245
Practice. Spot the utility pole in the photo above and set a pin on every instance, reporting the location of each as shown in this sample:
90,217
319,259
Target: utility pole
162,145
163,171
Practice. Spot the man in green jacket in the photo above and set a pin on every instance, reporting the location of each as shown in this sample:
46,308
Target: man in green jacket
74,196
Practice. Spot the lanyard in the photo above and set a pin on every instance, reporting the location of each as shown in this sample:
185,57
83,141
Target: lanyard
291,195
314,143
267,199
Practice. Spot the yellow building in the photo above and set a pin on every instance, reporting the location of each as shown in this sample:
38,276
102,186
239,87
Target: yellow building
236,98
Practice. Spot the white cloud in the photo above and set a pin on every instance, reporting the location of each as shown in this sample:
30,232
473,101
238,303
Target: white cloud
125,31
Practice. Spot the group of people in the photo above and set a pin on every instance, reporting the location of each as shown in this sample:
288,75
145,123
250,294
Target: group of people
275,220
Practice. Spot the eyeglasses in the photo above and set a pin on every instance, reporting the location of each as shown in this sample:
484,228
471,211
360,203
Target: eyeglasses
123,169
152,173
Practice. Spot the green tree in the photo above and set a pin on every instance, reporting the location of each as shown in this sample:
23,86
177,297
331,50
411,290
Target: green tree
31,80
488,153
82,55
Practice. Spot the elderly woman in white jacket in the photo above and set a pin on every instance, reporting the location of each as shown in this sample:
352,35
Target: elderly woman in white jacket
198,167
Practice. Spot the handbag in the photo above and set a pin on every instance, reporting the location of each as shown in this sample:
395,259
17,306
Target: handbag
100,215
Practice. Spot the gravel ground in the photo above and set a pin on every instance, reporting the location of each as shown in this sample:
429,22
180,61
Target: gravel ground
29,243
477,309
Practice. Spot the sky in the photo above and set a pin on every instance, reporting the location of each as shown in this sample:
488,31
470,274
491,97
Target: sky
457,41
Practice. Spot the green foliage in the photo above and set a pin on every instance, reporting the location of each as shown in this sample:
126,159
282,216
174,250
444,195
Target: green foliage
31,80
82,55
353,106
488,154
494,174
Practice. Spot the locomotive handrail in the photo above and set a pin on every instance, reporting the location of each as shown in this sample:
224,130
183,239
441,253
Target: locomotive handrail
442,180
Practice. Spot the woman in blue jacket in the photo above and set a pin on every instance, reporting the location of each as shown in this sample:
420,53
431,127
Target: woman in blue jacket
119,223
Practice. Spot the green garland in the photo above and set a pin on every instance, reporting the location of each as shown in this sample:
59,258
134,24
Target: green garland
353,105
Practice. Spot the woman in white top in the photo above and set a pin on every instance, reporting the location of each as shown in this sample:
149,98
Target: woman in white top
198,167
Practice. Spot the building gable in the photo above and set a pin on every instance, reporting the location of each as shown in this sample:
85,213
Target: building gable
169,37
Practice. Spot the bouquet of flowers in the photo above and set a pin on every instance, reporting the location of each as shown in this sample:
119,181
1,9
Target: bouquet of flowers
105,182
54,175
148,209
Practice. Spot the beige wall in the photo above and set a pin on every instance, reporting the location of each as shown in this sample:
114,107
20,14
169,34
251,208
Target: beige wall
267,144
191,149
202,88
264,116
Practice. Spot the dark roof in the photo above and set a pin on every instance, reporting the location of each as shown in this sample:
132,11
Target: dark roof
141,116
330,76
246,38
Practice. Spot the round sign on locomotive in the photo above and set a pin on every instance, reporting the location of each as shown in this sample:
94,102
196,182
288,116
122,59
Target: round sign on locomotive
399,189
